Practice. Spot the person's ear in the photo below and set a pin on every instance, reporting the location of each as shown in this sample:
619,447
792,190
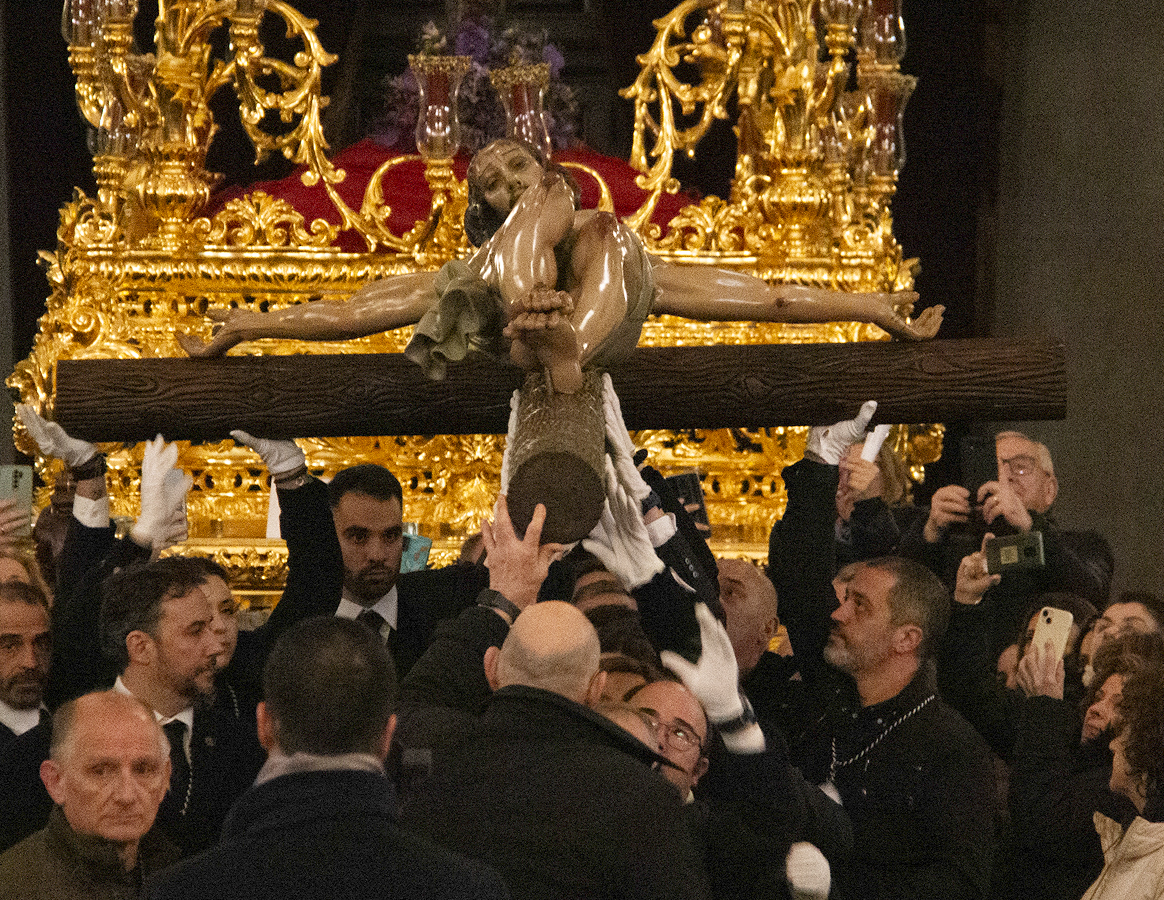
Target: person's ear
53,778
699,771
1051,490
594,689
491,655
268,733
907,639
140,647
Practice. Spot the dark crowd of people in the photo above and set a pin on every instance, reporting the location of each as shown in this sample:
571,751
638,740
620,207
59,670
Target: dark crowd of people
900,704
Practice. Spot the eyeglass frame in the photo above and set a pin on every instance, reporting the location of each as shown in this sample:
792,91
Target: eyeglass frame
671,731
1019,469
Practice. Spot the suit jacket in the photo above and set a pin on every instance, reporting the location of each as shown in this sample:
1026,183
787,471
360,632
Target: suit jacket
322,836
422,598
425,598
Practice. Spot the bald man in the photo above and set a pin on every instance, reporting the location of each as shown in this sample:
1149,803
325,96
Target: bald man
526,776
108,769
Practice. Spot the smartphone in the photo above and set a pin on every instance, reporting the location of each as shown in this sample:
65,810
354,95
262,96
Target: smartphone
414,558
1014,551
1054,625
688,487
979,463
16,484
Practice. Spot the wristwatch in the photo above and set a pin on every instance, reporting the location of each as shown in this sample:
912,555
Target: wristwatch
498,601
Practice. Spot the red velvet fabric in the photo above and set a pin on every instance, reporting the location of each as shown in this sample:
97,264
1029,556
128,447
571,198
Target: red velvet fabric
408,195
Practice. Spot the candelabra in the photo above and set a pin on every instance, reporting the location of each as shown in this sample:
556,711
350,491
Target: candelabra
820,145
150,112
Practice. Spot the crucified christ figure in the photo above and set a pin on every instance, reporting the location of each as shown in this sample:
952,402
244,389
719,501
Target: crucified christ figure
556,288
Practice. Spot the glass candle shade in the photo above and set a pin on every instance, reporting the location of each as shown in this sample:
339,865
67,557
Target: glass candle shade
522,88
882,32
438,130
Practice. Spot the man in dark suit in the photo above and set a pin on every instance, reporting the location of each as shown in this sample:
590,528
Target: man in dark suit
366,503
320,820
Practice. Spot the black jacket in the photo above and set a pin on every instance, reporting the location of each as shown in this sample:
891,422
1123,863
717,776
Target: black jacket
562,802
1056,785
922,798
329,835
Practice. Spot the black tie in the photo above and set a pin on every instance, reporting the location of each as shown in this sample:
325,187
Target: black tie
373,620
179,764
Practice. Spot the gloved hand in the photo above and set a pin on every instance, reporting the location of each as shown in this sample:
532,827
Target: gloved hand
163,495
513,401
830,442
808,873
621,448
620,539
52,440
280,457
715,679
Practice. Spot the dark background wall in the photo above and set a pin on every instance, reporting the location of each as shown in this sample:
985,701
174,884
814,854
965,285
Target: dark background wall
1030,193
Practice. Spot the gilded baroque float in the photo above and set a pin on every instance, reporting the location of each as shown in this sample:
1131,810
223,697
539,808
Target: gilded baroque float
820,99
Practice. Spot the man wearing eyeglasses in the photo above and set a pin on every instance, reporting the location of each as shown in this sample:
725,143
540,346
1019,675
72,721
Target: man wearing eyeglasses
1018,502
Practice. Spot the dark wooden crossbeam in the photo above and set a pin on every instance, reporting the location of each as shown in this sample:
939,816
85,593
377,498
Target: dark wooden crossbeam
674,387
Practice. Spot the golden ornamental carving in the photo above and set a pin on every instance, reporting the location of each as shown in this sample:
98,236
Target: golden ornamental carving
810,204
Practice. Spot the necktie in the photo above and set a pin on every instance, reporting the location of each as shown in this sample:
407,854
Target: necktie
373,620
180,774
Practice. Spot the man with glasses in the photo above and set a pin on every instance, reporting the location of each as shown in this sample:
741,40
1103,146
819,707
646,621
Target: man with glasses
1018,502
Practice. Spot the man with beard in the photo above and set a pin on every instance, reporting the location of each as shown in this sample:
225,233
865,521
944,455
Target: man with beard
366,504
914,777
25,651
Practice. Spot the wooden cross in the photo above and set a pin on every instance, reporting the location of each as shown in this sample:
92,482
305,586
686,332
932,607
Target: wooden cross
673,387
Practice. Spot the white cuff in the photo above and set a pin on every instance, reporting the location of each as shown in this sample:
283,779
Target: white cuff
91,513
746,740
662,529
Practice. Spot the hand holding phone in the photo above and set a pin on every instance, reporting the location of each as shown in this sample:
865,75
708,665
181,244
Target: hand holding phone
15,503
1054,627
1039,673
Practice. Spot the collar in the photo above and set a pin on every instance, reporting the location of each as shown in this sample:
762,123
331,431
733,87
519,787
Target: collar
96,853
278,764
19,720
186,716
880,715
386,606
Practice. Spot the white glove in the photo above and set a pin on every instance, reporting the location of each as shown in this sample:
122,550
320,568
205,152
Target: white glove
280,457
830,442
620,540
808,873
715,679
622,449
513,403
52,440
163,494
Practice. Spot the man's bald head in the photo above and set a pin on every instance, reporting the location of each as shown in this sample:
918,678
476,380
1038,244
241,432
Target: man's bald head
551,646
